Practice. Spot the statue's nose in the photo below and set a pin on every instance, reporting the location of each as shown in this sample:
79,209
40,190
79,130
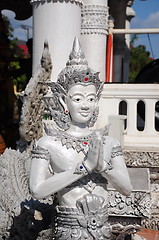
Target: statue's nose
85,105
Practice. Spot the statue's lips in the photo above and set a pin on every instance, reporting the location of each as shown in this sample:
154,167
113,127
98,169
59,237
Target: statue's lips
84,114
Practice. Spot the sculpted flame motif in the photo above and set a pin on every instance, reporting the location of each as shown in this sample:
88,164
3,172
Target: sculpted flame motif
33,105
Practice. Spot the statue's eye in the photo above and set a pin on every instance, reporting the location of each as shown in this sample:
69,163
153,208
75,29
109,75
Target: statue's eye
91,99
77,100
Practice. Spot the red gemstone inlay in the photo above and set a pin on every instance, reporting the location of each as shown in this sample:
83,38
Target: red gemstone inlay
66,111
85,143
86,79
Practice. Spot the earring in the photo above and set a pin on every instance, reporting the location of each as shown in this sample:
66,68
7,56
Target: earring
66,111
94,117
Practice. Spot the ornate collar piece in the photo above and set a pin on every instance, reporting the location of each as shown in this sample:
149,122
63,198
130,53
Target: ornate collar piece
77,143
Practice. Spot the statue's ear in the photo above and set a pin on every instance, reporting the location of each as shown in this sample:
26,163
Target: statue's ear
97,101
100,90
62,100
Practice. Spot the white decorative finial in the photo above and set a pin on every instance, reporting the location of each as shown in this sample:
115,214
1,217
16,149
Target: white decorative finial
76,56
76,45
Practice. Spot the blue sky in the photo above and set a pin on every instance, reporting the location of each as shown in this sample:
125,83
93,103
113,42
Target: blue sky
147,16
19,32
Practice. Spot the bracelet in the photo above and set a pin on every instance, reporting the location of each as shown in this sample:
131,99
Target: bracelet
107,167
86,166
80,169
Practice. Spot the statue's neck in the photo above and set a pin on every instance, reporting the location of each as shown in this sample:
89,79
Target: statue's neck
79,130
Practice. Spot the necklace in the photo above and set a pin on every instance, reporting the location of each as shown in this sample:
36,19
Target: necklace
77,143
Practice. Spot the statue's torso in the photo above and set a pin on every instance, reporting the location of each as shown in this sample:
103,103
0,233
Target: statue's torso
62,159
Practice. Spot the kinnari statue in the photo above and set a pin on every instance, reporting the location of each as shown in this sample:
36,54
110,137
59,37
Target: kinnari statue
82,160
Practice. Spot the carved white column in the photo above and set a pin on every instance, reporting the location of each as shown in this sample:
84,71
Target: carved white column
58,22
94,29
118,12
129,15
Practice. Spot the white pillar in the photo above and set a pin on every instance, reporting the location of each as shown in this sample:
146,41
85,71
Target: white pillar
107,106
129,15
117,127
118,12
58,22
118,66
94,29
150,116
132,117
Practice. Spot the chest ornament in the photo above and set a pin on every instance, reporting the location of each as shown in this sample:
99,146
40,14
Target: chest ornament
80,144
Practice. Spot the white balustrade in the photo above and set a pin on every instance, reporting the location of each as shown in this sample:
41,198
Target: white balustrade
150,116
131,116
113,94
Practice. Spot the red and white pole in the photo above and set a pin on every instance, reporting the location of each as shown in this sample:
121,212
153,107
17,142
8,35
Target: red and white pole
109,58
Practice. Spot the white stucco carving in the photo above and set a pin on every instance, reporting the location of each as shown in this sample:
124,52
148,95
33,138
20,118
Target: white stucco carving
82,160
94,29
94,19
54,1
33,105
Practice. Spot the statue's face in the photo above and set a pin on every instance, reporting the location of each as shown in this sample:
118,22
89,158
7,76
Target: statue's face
81,102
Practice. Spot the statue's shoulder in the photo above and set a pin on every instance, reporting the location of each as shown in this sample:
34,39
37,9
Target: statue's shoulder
44,148
51,140
44,141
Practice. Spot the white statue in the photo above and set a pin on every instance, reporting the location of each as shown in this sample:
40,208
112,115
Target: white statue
82,160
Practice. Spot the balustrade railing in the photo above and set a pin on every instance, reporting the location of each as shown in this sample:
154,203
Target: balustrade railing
141,103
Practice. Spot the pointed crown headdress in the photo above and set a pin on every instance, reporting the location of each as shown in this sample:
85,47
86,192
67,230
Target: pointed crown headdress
77,71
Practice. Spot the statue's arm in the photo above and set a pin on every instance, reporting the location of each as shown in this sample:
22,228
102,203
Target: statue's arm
41,187
118,174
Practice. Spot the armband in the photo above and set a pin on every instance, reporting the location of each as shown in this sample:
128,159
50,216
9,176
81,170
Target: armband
86,166
116,151
39,152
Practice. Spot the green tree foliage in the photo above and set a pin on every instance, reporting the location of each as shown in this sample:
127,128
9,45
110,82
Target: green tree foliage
139,57
14,50
15,54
